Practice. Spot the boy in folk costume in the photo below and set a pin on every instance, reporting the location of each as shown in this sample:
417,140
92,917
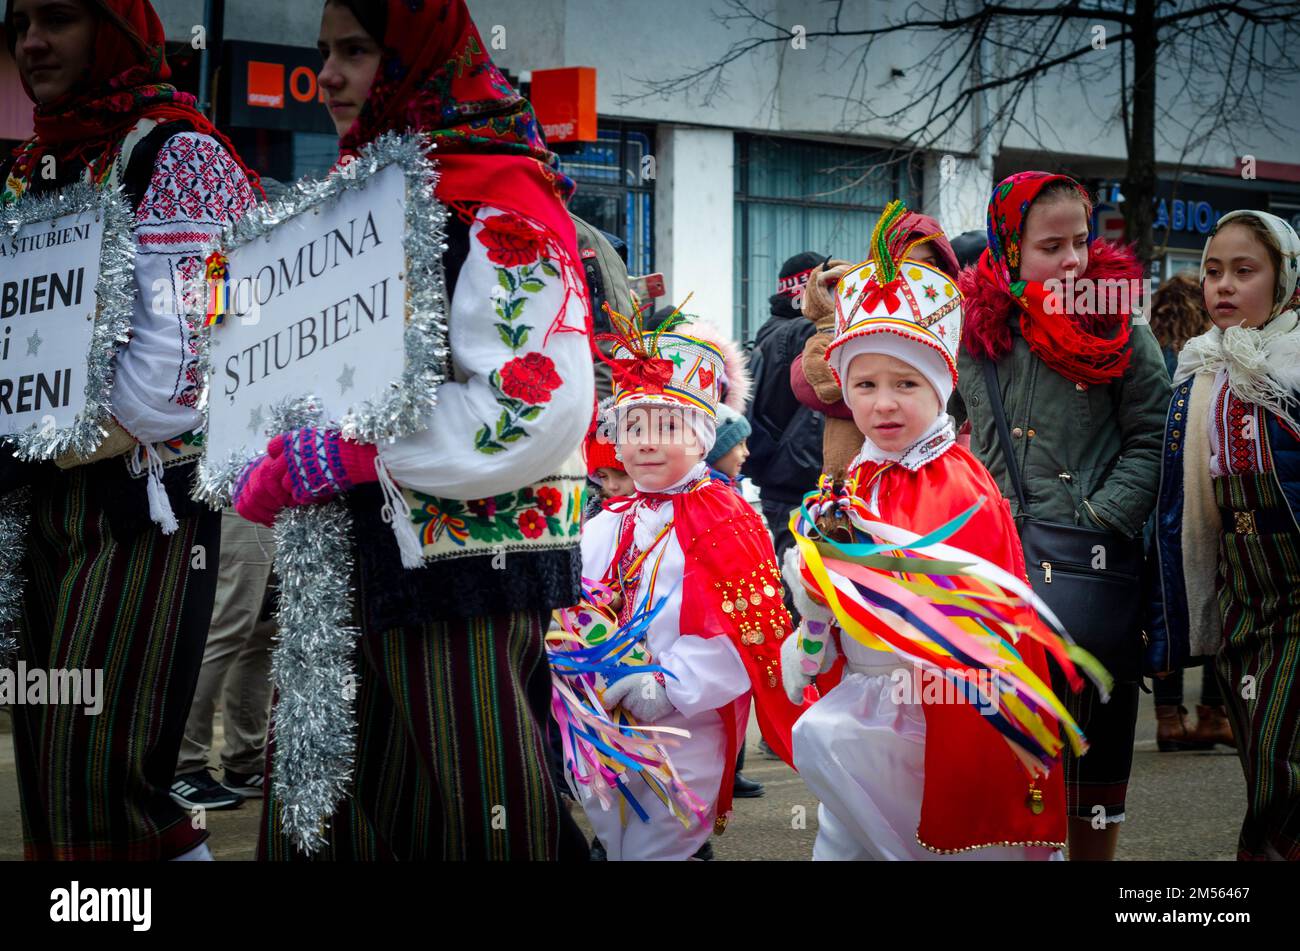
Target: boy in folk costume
1228,518
900,773
689,546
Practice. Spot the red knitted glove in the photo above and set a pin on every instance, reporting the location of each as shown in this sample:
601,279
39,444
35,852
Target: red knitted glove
261,491
320,463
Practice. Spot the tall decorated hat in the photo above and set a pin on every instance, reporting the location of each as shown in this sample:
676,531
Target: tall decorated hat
663,366
916,305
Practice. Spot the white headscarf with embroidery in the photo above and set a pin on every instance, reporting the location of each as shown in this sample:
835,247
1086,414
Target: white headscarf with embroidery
1263,363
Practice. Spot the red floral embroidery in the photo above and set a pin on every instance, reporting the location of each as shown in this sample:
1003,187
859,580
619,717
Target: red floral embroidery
549,500
532,523
511,241
530,378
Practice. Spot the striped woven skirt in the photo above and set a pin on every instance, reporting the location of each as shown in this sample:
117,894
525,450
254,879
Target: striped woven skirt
450,759
1259,660
133,610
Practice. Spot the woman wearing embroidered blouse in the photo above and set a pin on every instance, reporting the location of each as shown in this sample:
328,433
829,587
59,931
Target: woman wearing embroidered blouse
455,689
108,591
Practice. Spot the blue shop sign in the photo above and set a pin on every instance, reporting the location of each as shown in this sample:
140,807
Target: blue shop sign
1185,219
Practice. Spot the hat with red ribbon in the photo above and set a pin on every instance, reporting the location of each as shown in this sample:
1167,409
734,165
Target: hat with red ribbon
662,366
908,300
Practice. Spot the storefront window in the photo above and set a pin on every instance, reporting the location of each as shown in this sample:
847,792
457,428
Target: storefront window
314,153
793,196
616,188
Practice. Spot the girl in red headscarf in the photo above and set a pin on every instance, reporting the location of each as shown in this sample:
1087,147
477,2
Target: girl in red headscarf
454,603
1085,388
120,567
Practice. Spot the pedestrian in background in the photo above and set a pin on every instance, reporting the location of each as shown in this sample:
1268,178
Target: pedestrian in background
785,447
236,671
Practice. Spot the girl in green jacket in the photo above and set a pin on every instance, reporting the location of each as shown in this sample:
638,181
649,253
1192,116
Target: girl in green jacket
1085,389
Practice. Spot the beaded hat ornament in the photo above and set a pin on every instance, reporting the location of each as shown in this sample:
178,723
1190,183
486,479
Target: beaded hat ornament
663,367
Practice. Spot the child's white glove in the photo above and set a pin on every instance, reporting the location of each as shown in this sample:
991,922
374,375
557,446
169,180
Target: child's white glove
806,606
641,695
805,654
793,679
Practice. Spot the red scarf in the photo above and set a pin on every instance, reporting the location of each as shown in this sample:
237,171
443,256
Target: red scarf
1059,340
126,82
436,77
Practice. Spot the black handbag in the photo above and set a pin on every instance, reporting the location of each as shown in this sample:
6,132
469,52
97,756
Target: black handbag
1090,578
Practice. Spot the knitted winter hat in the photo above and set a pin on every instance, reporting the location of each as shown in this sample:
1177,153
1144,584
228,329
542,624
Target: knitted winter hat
732,430
791,282
600,453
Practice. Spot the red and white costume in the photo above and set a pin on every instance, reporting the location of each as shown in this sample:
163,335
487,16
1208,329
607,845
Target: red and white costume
902,773
705,553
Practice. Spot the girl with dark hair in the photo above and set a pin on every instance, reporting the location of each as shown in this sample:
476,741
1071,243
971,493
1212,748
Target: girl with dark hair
455,689
111,582
1228,522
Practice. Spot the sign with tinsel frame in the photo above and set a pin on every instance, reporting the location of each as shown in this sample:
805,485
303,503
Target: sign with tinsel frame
67,280
332,296
327,307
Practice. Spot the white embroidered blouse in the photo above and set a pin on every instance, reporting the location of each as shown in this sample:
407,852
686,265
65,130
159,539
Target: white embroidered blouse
196,189
522,390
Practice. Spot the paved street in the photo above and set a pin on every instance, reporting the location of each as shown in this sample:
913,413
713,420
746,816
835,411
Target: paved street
1180,806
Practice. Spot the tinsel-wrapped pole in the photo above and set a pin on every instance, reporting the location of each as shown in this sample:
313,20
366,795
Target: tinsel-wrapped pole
312,669
14,515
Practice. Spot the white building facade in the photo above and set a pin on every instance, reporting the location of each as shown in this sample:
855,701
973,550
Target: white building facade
716,193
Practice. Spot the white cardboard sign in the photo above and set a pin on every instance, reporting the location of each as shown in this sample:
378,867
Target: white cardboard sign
48,273
317,307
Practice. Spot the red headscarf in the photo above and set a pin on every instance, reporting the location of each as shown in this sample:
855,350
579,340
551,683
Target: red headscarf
918,225
1058,339
126,82
437,78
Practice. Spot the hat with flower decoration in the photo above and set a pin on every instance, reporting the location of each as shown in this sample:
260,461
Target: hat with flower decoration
663,367
902,308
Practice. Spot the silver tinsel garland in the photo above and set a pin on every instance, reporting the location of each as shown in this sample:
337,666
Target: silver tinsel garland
409,400
15,512
115,290
312,668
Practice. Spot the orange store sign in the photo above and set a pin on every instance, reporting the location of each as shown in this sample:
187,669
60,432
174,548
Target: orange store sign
565,102
268,86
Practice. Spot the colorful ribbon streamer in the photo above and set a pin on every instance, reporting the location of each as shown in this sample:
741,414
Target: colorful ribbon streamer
947,611
217,272
604,749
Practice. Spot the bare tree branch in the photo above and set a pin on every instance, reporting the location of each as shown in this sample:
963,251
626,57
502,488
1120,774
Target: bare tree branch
1225,59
